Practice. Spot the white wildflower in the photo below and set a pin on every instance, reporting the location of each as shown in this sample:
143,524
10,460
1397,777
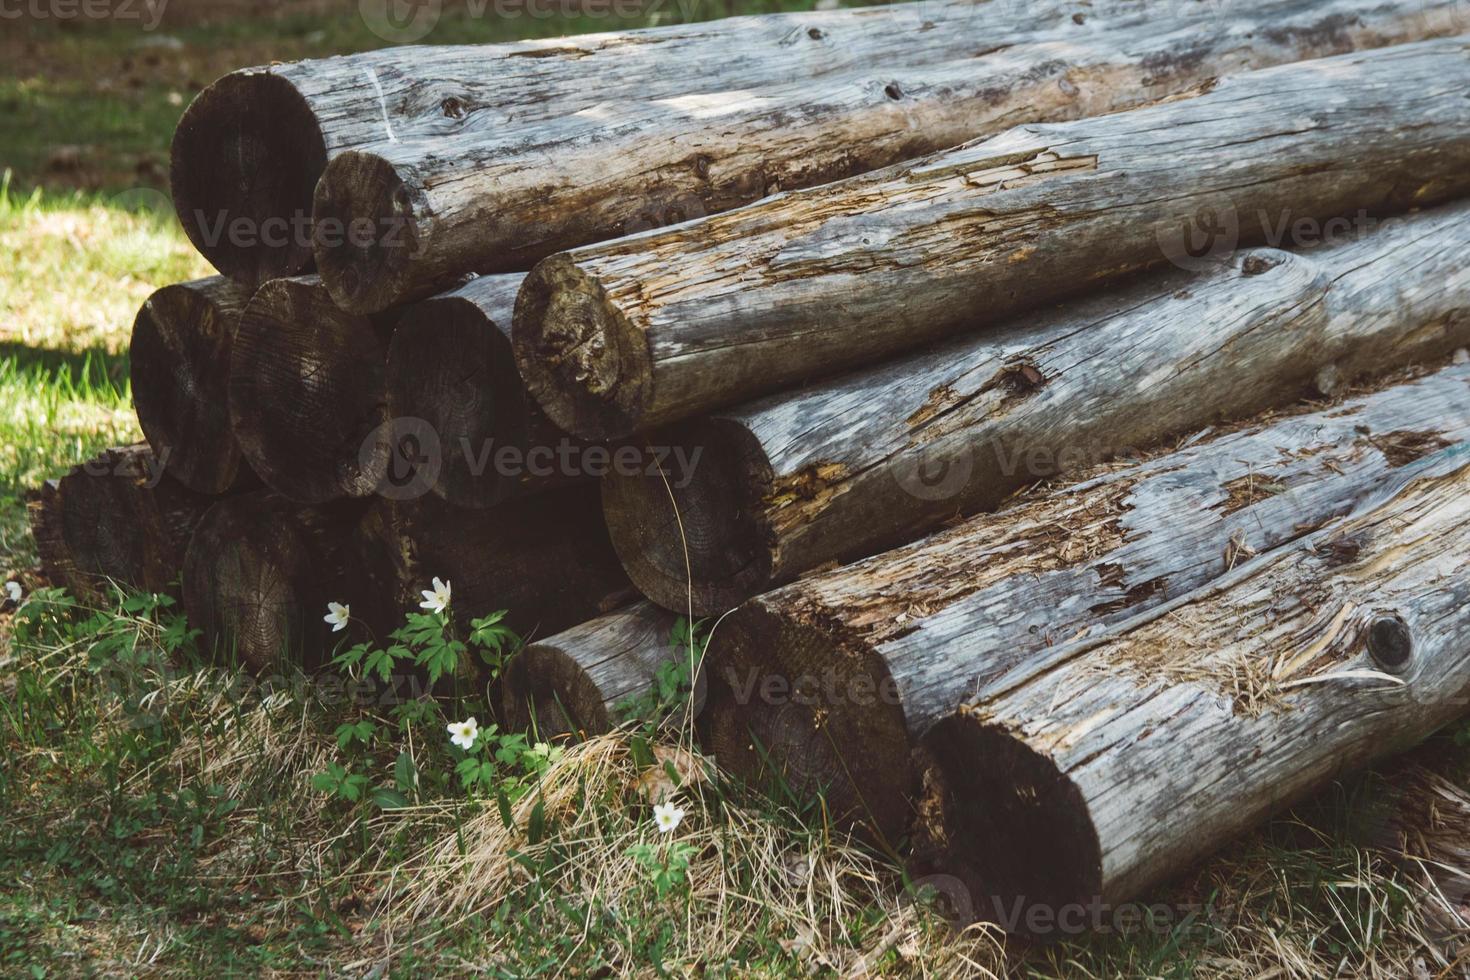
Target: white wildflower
437,600
14,591
338,614
464,733
667,816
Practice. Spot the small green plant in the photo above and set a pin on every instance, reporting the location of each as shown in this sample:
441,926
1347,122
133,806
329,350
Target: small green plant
673,681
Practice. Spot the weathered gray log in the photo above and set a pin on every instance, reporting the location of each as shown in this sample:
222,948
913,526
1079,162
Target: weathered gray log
249,150
499,200
180,360
117,518
621,336
307,393
579,680
544,558
451,371
846,468
259,573
837,675
1139,753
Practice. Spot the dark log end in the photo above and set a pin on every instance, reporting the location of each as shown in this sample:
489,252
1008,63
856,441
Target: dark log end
449,366
584,363
116,518
367,233
180,357
244,163
997,788
699,529
547,691
790,704
307,394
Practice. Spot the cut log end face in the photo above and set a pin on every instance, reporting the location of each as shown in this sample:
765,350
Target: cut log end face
452,369
548,692
366,233
307,394
180,356
1032,854
704,518
243,166
587,366
791,706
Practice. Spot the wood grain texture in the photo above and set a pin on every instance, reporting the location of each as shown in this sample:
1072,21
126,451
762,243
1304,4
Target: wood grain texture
577,681
450,367
1141,752
496,200
258,575
307,393
179,359
251,147
544,558
116,518
621,336
846,468
838,674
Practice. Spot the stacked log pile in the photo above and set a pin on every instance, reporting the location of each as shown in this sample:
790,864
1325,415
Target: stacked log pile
475,357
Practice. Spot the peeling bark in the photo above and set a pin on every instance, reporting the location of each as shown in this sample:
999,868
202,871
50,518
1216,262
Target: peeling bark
497,200
1137,754
576,681
846,468
618,337
180,365
116,518
839,674
251,147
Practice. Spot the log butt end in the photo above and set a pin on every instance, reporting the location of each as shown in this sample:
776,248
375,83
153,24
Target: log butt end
589,369
1019,833
451,368
545,689
790,704
242,168
307,394
180,356
692,534
366,233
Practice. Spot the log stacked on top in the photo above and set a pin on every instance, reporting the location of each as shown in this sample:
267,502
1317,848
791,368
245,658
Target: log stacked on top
437,398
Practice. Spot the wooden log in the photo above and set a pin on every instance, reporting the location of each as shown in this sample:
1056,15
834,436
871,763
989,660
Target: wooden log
848,467
836,676
307,393
1140,752
249,150
579,681
180,357
259,573
497,200
544,558
451,371
117,518
621,336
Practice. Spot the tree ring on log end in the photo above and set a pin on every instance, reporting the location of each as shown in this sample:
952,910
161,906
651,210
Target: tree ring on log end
367,233
248,581
179,355
791,704
452,368
307,394
243,166
1019,829
584,363
698,530
546,689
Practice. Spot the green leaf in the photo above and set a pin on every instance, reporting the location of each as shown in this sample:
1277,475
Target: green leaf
389,798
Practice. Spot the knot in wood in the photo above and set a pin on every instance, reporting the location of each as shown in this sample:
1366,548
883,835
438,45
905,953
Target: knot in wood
1390,642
